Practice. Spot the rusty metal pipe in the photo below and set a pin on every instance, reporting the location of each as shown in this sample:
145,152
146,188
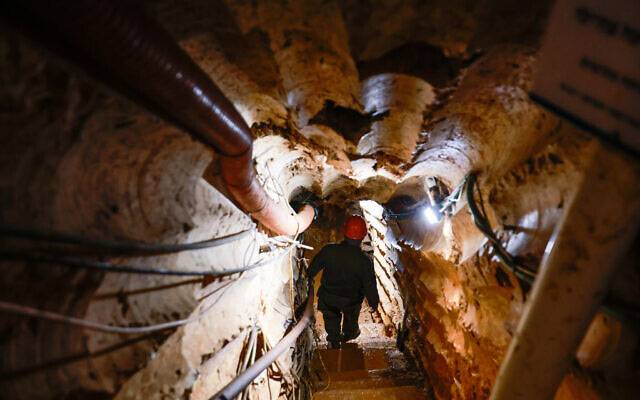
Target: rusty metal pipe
128,51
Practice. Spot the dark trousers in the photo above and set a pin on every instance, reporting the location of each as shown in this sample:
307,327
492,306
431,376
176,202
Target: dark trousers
340,316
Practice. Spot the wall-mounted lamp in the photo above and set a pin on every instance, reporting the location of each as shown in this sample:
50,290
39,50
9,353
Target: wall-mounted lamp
432,214
417,217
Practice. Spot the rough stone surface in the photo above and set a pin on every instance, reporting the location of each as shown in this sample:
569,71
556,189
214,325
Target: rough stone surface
76,158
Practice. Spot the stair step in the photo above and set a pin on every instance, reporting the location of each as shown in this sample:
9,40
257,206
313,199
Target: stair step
375,371
352,358
371,382
388,393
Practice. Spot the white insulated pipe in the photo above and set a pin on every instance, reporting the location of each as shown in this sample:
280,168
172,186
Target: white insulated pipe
310,44
405,99
489,124
592,237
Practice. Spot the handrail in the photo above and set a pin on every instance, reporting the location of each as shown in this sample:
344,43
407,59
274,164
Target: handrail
240,382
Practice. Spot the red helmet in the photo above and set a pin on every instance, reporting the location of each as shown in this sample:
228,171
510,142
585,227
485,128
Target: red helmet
355,228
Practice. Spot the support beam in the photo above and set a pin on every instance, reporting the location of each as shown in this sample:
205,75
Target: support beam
588,244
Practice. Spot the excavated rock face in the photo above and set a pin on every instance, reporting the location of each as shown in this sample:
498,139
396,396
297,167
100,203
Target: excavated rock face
341,103
469,310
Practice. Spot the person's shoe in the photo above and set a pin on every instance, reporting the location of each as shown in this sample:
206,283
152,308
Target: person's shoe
346,338
334,345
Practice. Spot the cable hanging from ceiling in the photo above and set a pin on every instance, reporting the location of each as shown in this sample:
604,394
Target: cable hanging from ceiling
116,246
83,263
31,312
77,262
119,247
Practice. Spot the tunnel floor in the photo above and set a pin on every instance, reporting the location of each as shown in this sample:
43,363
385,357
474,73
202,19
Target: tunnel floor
370,367
357,372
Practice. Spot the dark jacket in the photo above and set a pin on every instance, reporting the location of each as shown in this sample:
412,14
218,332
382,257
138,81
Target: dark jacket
348,273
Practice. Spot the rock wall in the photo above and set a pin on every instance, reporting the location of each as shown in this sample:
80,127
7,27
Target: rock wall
120,173
76,158
466,312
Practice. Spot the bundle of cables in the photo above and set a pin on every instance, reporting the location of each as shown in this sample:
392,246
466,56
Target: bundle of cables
481,221
64,249
524,275
112,247
52,255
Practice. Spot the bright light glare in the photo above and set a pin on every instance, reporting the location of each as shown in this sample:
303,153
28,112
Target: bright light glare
431,215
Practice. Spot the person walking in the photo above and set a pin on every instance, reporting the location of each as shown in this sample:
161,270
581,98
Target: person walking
348,277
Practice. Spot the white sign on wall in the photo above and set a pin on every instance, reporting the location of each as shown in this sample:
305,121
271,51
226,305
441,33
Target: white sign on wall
589,67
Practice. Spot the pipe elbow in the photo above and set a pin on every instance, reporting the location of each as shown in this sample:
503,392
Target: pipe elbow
282,220
252,199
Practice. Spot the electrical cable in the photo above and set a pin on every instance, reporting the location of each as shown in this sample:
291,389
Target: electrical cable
121,247
408,212
66,360
104,266
481,221
237,385
250,357
27,311
446,206
450,202
55,317
145,290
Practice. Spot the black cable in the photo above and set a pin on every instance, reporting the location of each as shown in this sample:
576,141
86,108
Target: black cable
120,247
525,275
406,213
62,361
504,255
481,221
110,267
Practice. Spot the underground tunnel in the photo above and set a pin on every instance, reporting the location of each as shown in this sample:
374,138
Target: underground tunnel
171,169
